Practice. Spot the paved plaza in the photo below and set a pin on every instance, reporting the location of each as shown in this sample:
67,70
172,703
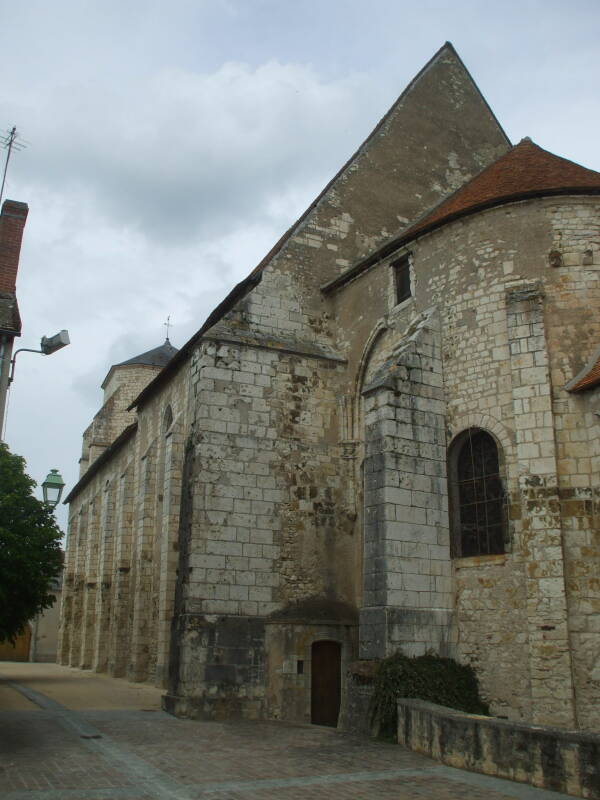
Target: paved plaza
72,735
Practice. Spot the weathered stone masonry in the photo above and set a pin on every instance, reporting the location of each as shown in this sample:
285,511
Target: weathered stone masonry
280,490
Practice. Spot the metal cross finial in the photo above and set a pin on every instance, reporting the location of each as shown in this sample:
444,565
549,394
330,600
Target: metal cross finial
167,325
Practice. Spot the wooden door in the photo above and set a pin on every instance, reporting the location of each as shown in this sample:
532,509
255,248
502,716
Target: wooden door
326,683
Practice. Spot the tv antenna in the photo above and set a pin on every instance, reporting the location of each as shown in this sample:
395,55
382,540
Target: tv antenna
10,141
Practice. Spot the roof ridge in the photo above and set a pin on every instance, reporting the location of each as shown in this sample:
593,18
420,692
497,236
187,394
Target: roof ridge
494,167
545,176
447,46
248,283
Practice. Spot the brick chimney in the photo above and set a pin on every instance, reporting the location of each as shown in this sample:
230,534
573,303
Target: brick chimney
12,224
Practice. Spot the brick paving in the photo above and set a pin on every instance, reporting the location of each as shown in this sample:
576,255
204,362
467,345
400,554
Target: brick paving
58,753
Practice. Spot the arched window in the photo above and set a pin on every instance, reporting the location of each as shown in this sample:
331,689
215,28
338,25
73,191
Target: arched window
167,418
477,499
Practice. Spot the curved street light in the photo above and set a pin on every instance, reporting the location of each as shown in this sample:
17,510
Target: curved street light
48,345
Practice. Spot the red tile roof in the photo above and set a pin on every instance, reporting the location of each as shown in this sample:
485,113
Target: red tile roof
525,171
588,377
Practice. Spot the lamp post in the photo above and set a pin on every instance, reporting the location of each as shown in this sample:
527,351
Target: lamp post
48,345
52,488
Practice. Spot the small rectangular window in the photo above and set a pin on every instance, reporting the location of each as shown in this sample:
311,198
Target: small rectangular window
300,667
402,279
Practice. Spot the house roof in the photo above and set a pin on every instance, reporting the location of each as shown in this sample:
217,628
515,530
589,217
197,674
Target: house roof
245,286
157,357
526,171
589,377
102,459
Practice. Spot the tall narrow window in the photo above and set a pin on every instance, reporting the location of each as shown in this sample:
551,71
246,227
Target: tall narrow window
167,418
402,279
478,507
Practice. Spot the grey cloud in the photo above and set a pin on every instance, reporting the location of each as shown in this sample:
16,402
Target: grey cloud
186,155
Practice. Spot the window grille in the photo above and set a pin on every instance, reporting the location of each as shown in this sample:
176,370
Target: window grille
478,502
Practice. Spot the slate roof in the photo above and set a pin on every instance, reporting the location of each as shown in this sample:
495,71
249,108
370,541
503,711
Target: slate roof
157,357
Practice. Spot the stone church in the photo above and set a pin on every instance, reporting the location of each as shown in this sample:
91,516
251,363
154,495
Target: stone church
387,437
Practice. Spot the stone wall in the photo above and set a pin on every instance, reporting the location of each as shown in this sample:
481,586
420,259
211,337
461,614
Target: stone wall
508,333
268,525
121,387
407,598
302,474
122,547
558,760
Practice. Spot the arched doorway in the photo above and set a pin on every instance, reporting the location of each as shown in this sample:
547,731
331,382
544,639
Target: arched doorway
326,683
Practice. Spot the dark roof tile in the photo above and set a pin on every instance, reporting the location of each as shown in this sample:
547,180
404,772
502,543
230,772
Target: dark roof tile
157,357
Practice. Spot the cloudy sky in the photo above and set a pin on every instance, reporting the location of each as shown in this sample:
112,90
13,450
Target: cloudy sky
170,144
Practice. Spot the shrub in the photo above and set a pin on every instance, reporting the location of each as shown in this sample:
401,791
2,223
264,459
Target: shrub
429,677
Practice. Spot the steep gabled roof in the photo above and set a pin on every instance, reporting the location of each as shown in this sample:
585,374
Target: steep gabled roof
447,47
526,171
446,53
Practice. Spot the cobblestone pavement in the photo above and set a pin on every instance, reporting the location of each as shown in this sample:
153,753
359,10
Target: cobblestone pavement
50,750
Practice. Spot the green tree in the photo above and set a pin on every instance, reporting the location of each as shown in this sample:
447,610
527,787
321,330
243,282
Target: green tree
30,554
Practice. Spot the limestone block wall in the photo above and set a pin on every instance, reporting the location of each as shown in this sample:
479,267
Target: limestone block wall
510,317
122,548
572,300
388,182
121,387
514,327
407,592
265,522
288,668
393,178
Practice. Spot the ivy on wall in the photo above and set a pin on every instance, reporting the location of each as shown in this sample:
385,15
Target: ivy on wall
430,678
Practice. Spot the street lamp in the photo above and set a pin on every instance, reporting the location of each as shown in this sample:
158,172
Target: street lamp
52,488
48,345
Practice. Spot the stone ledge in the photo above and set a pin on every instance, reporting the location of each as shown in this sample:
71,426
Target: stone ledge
550,758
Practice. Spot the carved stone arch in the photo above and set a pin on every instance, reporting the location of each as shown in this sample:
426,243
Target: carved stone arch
503,436
371,346
372,341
